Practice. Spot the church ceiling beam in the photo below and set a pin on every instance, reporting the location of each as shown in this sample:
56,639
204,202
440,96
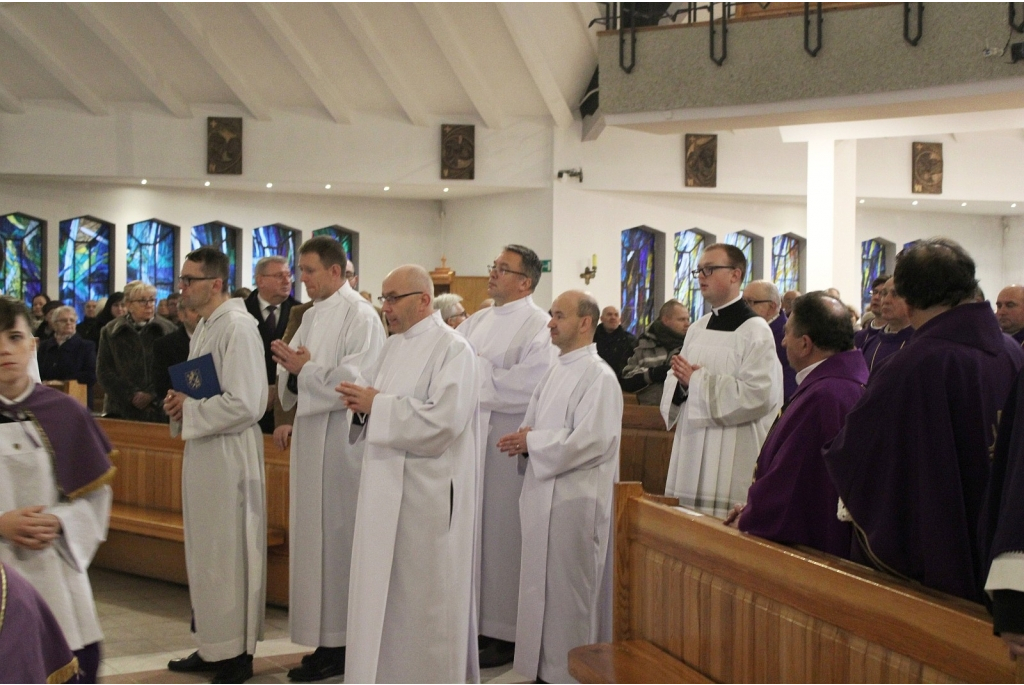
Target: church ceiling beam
326,91
32,46
462,63
517,21
184,17
368,38
9,102
125,49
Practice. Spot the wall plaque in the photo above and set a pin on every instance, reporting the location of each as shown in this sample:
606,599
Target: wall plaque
457,152
701,160
224,145
927,168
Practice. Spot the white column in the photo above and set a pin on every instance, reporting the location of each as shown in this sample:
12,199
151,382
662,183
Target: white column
833,254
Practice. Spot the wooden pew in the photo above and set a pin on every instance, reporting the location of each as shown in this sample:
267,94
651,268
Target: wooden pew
713,603
72,389
146,534
645,448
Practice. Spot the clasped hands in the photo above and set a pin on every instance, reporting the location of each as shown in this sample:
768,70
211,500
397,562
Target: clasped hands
356,397
30,527
683,370
291,360
514,443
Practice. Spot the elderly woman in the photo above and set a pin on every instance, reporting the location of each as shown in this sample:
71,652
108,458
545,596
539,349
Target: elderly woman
125,358
66,356
450,306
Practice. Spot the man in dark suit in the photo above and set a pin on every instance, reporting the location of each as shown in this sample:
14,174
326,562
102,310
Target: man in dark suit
173,349
271,304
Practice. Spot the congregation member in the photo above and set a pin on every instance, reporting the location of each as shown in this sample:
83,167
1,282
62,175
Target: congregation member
38,302
897,331
570,437
912,461
339,340
614,343
787,301
54,494
173,348
727,381
171,301
650,364
66,356
411,612
124,360
112,308
763,297
514,352
223,495
45,329
873,327
1010,312
89,328
792,499
450,306
270,304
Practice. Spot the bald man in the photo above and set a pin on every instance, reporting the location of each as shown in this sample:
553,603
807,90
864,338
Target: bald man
1010,312
410,594
571,437
763,297
615,344
787,301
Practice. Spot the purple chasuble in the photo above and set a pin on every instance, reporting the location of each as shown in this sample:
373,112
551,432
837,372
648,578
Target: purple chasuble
788,374
861,337
1019,337
912,462
32,645
883,344
793,500
80,449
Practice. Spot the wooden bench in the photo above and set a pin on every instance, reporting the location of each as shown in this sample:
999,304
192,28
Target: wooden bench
146,535
695,597
646,447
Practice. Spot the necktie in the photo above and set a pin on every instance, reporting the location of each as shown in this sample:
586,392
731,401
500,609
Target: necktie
271,317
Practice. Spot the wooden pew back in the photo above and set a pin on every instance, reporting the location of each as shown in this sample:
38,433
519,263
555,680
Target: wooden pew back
646,447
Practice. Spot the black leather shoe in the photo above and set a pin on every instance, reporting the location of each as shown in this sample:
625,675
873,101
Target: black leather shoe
497,653
236,670
193,663
312,671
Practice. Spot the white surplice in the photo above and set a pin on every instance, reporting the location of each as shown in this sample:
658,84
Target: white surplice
566,508
223,495
733,401
344,337
410,608
515,351
59,572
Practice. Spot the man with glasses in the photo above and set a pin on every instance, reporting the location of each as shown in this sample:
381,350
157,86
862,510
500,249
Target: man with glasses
878,322
514,352
271,304
763,297
727,381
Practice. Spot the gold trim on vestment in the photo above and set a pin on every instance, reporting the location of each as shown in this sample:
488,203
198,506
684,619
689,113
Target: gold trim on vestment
879,564
3,595
64,673
105,479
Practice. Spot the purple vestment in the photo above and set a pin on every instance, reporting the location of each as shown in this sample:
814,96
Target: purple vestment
861,337
778,327
1019,337
32,645
883,344
793,499
912,462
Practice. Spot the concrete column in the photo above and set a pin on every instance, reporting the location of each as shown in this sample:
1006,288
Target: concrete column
833,254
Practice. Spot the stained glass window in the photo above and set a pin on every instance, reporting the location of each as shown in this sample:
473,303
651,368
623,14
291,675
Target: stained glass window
685,288
786,262
638,269
225,238
872,265
746,245
84,271
22,268
342,235
907,246
275,240
151,258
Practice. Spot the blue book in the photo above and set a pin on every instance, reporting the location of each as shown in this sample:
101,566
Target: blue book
197,377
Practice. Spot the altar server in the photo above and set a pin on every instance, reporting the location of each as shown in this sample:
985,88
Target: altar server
570,436
728,381
222,483
410,611
54,496
339,340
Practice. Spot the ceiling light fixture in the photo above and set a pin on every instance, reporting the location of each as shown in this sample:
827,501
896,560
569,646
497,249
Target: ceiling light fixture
1013,205
207,184
270,185
963,204
862,201
387,188
144,181
914,203
327,187
446,190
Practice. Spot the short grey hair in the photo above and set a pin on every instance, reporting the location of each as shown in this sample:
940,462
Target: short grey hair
135,288
57,312
771,289
446,304
261,265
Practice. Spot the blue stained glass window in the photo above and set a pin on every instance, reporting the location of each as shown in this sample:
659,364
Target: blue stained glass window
685,288
275,240
84,271
786,262
907,246
23,239
224,237
340,234
872,265
637,279
151,248
746,245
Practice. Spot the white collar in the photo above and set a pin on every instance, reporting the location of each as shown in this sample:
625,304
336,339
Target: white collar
803,373
718,310
21,397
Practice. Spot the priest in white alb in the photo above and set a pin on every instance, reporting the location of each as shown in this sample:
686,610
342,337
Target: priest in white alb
727,380
570,438
223,495
514,351
339,340
410,610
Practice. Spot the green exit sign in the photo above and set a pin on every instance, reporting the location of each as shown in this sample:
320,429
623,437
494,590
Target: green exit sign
545,266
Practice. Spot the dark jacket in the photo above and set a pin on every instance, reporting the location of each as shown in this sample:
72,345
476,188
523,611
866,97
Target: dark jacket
615,348
90,329
647,369
252,304
124,365
167,351
74,360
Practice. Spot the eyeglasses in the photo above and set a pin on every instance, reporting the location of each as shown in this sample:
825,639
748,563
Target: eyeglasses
350,274
459,315
150,301
708,270
753,302
501,270
282,276
187,281
391,299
